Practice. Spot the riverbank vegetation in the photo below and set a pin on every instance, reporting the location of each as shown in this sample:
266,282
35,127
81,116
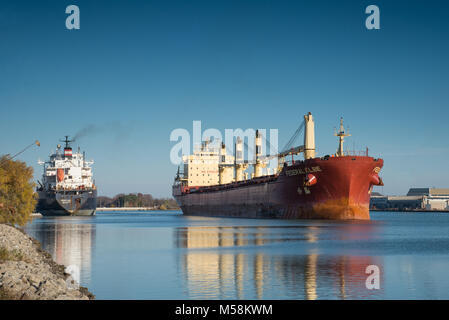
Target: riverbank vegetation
137,200
17,196
10,255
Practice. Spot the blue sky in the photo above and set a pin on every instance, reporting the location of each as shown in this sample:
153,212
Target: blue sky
136,70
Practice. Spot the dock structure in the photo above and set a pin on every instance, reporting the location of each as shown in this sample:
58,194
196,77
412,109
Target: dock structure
417,199
127,208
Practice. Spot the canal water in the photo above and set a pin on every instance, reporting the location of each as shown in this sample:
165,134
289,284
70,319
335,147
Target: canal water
165,255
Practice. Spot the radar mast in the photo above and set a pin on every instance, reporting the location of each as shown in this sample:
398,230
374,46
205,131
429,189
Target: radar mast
67,142
341,135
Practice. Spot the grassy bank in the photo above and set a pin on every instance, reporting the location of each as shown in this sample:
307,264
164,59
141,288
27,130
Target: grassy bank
11,255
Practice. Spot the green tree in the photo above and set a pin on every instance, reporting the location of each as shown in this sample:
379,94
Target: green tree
17,196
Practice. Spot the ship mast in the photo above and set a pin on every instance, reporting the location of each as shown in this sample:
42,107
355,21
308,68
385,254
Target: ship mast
239,163
309,137
258,165
67,142
341,135
308,148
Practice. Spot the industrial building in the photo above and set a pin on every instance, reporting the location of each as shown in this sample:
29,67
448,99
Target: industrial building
417,199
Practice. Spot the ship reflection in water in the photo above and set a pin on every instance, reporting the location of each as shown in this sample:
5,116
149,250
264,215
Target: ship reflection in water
248,263
165,255
68,240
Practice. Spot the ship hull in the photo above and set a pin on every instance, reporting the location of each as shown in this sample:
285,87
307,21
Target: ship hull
67,203
341,191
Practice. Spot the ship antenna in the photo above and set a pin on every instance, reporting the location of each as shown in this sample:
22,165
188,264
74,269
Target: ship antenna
341,135
67,141
235,154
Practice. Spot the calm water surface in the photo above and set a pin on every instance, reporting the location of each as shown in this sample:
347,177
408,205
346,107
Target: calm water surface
162,255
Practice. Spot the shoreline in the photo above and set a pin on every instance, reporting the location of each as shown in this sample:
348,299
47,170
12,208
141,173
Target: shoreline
114,210
27,272
134,209
409,211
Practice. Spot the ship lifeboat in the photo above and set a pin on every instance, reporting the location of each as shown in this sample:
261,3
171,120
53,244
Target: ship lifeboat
60,174
310,180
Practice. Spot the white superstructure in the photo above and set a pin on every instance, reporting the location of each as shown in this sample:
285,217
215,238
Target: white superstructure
67,170
211,165
202,167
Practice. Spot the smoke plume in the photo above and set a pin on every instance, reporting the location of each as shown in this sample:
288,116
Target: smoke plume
116,131
90,129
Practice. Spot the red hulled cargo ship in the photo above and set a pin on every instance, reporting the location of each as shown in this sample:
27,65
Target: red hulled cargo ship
336,186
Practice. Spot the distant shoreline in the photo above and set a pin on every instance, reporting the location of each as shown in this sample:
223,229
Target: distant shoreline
129,209
408,211
135,209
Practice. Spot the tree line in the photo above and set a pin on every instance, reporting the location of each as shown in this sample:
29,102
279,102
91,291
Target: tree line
136,200
17,196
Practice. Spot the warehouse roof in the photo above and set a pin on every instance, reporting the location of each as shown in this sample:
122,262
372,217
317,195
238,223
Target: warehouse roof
428,192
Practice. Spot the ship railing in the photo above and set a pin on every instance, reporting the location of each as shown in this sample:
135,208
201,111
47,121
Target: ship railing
79,188
291,162
231,185
359,153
